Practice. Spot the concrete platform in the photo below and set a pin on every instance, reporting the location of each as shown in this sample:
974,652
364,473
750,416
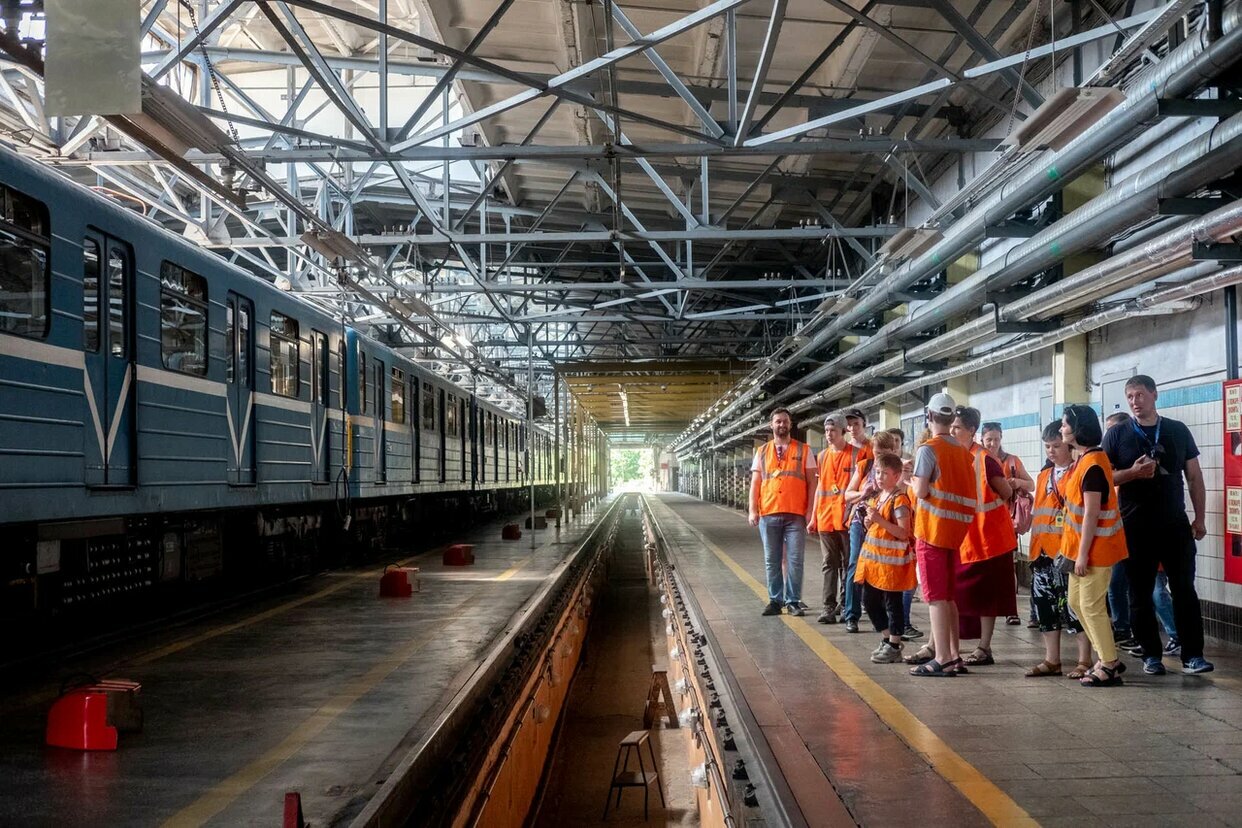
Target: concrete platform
992,747
318,691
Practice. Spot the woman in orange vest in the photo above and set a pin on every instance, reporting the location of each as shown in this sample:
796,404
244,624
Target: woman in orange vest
943,483
986,589
886,563
1093,539
1019,481
1049,585
836,465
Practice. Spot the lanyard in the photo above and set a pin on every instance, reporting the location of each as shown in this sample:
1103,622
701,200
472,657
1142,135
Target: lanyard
1138,429
1053,486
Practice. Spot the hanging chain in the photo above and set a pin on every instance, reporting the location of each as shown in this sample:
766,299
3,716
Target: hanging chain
211,69
1026,56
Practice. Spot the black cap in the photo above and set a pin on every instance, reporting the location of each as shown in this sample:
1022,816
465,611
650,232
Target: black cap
855,412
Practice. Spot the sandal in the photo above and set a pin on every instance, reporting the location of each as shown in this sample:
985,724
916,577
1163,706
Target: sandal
924,654
1079,671
932,669
1044,668
1013,620
980,657
956,667
1112,677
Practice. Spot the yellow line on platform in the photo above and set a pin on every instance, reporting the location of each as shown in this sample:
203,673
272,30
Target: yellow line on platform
982,792
226,792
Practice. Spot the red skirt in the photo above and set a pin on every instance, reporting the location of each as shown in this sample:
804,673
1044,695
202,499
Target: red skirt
985,589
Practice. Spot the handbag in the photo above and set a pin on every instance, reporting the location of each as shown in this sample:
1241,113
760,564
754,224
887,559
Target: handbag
1021,507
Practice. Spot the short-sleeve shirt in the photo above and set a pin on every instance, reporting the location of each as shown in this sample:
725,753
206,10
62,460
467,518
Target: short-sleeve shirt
1162,498
925,465
756,465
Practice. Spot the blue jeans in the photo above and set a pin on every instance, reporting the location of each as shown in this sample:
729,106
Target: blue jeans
853,591
907,599
1163,600
784,541
1119,598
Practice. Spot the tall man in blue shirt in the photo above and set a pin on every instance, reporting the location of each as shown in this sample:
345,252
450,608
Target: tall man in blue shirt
1151,455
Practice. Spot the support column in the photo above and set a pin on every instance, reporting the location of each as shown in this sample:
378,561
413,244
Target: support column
890,416
1070,380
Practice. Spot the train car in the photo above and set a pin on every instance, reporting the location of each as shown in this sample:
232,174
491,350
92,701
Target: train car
167,417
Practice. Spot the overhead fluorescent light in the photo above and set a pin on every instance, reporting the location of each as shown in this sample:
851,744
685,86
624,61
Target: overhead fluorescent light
909,242
1065,115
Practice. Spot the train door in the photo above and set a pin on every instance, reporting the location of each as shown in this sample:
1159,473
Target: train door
381,408
443,438
412,413
239,377
109,381
320,454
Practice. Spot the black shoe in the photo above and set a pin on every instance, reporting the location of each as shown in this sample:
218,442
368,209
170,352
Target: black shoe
827,618
773,608
851,626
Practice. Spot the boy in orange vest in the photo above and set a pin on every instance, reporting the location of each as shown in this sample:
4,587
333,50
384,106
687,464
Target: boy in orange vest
944,483
886,563
836,464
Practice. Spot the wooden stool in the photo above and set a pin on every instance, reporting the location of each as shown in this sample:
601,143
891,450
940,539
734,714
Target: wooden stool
659,700
623,777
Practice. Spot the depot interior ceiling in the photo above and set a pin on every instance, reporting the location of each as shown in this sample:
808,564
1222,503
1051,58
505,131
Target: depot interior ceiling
532,183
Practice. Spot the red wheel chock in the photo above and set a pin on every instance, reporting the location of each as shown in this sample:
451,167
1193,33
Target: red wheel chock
459,554
511,532
89,717
399,581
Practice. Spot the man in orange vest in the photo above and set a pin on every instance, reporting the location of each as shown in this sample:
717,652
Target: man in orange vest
782,502
944,484
836,464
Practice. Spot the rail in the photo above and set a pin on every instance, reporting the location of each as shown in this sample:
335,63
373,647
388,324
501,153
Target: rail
448,776
718,711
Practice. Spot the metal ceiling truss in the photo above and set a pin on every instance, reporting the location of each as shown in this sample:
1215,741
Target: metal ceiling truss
451,251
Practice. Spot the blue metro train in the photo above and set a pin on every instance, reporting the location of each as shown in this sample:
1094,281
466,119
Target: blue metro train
164,415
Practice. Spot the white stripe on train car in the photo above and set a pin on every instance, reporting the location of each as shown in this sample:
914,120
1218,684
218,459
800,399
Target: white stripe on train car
37,351
287,403
118,413
183,382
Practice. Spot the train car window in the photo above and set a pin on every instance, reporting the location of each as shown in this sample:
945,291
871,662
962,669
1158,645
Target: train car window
429,407
398,395
363,402
379,389
450,416
25,276
286,353
243,342
340,364
319,368
90,295
118,299
230,362
183,319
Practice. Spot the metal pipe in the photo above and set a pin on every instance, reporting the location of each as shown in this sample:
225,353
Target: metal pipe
1181,72
1163,300
1183,171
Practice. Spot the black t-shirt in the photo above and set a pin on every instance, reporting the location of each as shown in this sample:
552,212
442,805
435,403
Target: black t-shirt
1096,481
1161,498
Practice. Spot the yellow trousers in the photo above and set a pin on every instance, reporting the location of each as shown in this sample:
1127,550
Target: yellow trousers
1088,598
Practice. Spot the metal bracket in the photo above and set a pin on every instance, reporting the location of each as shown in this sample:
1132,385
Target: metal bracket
1010,230
1198,107
1189,206
1216,251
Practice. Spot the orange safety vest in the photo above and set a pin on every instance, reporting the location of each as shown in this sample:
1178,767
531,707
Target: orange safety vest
835,468
886,562
782,484
991,533
1048,516
1109,545
945,516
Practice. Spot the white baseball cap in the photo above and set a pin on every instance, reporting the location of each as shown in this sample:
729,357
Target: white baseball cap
941,404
